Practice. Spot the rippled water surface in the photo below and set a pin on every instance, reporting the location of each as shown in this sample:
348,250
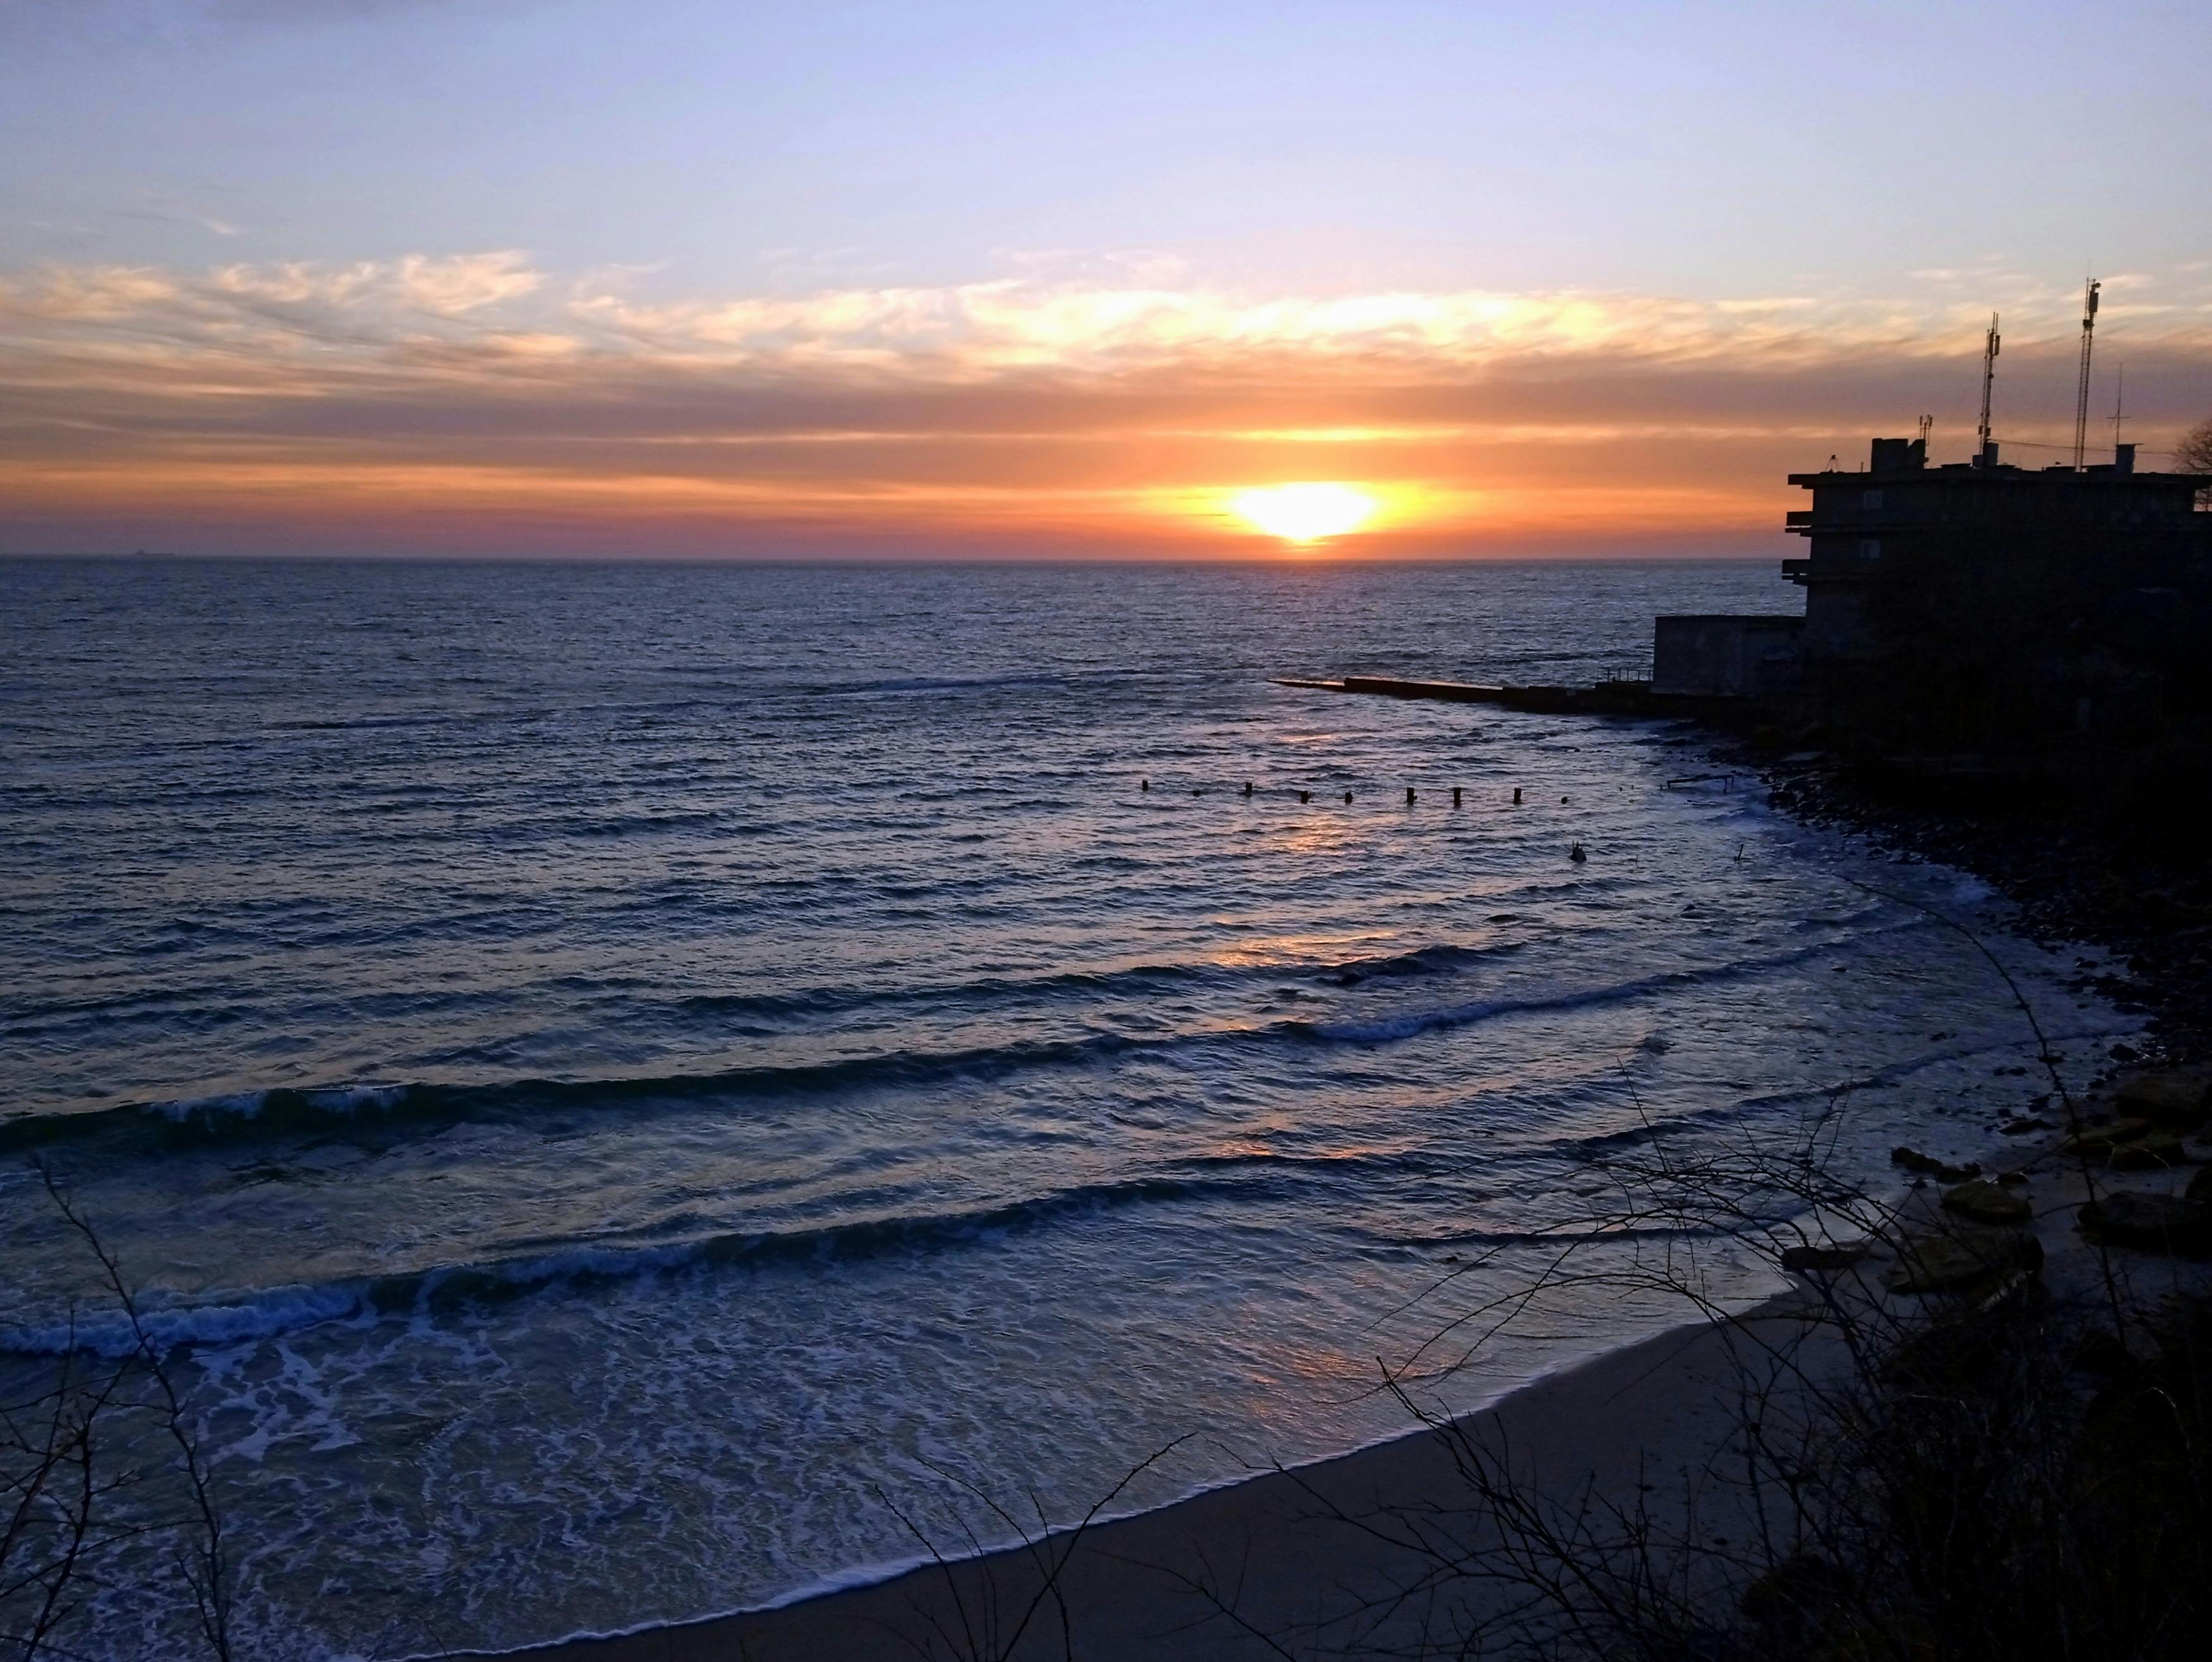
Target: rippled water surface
603,1073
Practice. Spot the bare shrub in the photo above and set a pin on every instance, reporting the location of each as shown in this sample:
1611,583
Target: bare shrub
79,1487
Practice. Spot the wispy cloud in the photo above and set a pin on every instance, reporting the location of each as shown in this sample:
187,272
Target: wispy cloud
1114,406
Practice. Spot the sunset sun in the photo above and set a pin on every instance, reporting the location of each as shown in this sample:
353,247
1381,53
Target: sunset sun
1305,512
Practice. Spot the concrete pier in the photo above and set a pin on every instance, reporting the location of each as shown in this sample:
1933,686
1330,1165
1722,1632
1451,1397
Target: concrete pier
1600,698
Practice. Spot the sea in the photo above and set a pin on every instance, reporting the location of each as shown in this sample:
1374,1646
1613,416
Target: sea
624,1091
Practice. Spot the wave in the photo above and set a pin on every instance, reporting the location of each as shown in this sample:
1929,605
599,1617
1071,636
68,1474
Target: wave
235,1316
812,1003
289,1109
946,684
1133,979
1415,1023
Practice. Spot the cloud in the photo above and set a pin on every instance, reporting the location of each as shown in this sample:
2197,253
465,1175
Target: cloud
1106,408
451,287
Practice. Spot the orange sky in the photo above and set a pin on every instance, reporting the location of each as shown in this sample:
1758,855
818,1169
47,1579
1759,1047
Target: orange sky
478,405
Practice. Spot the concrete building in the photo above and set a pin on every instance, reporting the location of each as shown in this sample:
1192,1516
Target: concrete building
1864,528
1979,534
1719,654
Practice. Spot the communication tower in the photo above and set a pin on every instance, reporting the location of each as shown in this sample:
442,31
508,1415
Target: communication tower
2081,392
1989,345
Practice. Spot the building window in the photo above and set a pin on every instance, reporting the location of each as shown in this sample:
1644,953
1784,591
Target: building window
1869,499
1870,548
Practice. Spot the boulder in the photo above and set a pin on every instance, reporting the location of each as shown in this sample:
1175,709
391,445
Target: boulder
2103,1139
1913,1160
2200,1186
2174,1098
1962,1257
2154,1152
2152,1223
1985,1203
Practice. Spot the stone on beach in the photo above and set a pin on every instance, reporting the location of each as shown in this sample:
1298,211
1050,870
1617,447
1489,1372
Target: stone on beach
2148,1153
1942,1171
1985,1203
1960,1257
2173,1098
2103,1139
2153,1223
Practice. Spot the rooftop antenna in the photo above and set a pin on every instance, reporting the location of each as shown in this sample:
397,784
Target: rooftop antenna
2082,394
1927,423
2119,406
1989,345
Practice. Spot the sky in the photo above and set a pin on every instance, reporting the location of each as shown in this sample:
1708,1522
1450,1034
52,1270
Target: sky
974,277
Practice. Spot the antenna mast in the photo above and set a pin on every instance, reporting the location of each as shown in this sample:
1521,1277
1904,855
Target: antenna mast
2082,394
1990,344
2119,405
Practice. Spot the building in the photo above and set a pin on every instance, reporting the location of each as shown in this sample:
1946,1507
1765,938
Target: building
1719,654
1871,530
1967,587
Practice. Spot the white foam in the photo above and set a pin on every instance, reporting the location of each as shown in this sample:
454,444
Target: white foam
164,1327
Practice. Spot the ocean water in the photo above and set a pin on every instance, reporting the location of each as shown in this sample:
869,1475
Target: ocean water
611,1082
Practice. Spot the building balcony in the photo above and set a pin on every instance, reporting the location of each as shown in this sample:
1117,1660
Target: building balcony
1834,569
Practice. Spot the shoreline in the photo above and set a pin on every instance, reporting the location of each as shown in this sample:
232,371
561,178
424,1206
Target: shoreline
1122,1581
1127,1560
862,1578
1312,1558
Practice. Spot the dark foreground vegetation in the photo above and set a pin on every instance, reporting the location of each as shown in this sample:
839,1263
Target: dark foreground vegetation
2004,1477
101,1460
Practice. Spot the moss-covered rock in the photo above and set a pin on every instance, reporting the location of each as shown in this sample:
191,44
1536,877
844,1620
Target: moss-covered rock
1985,1203
2150,1223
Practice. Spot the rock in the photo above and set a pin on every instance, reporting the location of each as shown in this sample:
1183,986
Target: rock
1799,1259
1962,1257
2020,1128
2012,1179
2153,1223
2200,1186
2103,1139
2173,1098
1984,1202
1913,1160
2152,1154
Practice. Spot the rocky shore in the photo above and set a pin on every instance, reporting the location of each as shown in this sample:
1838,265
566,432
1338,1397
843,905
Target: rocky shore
2132,879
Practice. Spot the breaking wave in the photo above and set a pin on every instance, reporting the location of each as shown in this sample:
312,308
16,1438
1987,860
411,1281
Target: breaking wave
287,1110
